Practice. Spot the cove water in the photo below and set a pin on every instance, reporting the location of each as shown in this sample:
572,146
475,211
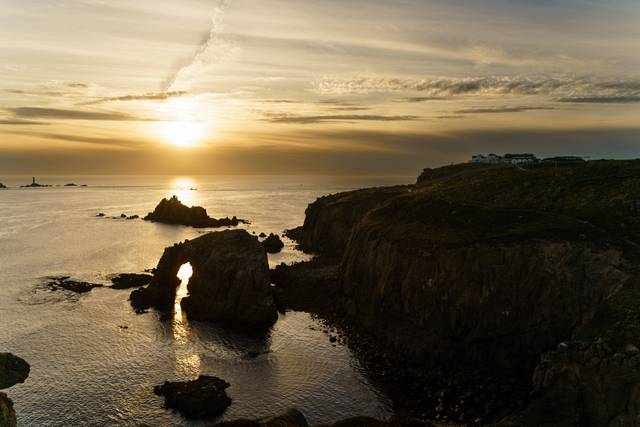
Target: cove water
94,362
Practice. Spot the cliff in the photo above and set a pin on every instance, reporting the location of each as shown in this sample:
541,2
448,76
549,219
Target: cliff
484,264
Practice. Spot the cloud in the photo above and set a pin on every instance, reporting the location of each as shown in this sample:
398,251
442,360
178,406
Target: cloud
434,88
214,48
602,100
498,110
152,96
17,122
301,119
62,114
107,141
421,99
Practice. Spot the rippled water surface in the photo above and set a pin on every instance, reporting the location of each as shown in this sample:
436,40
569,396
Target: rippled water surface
95,362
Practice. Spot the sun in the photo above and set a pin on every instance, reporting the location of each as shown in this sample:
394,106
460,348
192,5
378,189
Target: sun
183,133
184,126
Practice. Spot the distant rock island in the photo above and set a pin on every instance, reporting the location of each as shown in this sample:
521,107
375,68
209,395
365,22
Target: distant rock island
34,184
2,185
172,211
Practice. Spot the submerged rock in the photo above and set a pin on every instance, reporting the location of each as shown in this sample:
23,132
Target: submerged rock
203,397
130,280
13,370
172,211
272,244
230,282
66,283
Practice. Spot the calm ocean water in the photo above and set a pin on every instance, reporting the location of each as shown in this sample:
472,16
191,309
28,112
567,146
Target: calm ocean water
88,370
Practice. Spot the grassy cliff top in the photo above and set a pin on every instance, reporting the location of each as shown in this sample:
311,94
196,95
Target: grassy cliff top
464,203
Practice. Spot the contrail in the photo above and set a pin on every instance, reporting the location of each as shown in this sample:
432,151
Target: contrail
209,51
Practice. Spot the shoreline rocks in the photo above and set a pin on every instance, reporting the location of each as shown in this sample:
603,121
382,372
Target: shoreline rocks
130,280
203,397
172,211
272,244
13,370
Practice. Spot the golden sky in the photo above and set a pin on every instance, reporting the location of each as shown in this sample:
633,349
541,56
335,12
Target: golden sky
301,86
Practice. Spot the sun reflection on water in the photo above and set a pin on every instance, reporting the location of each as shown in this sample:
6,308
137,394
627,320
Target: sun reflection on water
184,274
185,189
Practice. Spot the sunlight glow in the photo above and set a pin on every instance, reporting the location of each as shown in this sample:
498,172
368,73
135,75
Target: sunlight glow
184,274
183,128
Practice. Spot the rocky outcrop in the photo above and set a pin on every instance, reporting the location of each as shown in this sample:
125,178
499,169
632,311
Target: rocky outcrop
2,186
272,244
130,280
68,284
172,211
203,397
13,370
309,286
230,282
330,219
7,413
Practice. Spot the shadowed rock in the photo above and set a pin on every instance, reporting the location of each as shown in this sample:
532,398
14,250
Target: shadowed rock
64,282
7,413
172,211
230,282
272,244
130,280
294,418
203,397
13,370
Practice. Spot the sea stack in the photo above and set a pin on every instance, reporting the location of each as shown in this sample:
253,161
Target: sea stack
172,211
230,282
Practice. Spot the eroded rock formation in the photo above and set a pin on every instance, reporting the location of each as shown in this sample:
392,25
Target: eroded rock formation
130,280
230,282
172,211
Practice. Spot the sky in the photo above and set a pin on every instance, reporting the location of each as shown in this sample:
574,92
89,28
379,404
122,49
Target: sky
349,87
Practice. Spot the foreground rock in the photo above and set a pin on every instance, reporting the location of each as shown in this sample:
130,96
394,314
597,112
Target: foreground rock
172,211
272,244
130,280
66,283
203,397
295,418
13,370
230,282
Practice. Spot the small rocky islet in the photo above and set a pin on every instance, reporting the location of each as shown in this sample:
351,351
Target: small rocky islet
481,295
172,211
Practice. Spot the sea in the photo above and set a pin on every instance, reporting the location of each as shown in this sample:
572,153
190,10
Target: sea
95,362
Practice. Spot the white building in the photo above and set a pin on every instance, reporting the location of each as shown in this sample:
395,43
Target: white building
486,158
520,158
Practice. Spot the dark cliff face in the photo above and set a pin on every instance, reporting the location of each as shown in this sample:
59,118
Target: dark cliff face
329,221
483,263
